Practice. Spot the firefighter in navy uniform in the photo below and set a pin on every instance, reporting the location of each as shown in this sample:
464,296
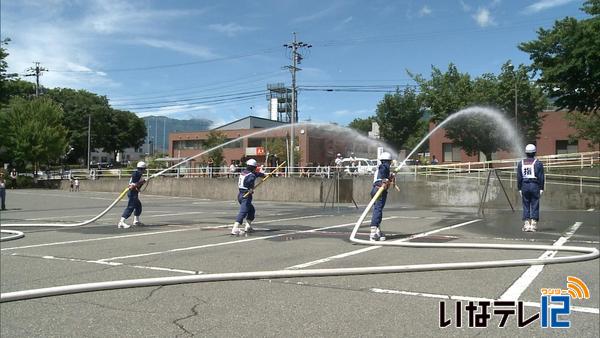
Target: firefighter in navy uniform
530,181
382,177
134,205
246,186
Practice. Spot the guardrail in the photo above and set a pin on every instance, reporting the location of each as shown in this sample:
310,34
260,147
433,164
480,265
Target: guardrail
507,169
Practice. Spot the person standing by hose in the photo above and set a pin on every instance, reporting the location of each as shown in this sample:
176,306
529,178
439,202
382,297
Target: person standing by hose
530,181
246,182
383,177
134,205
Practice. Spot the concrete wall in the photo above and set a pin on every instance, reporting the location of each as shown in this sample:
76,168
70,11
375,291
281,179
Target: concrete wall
424,192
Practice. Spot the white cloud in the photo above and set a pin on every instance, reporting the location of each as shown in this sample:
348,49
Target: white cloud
484,18
112,16
351,113
178,46
317,15
464,6
177,108
425,11
60,50
542,5
347,20
230,29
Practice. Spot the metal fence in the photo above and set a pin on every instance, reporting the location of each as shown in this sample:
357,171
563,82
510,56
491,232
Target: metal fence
469,170
553,164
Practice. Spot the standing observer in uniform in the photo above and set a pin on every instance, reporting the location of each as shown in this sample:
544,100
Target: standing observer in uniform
13,178
383,177
2,192
134,205
246,189
530,181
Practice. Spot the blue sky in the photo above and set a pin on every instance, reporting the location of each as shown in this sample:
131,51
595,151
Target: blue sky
182,58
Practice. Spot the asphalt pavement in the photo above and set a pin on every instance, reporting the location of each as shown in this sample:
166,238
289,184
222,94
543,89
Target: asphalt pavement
187,236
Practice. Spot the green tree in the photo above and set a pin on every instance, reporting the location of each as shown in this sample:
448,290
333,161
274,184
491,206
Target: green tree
531,99
567,58
399,116
279,146
214,139
10,85
33,132
362,126
112,130
128,131
447,93
587,126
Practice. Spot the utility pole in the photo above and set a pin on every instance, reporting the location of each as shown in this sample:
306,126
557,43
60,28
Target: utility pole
89,141
37,72
296,59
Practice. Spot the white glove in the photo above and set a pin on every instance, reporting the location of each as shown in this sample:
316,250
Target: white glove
541,192
520,193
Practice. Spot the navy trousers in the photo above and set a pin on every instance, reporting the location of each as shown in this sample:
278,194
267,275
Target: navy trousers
378,207
3,198
133,206
246,208
531,200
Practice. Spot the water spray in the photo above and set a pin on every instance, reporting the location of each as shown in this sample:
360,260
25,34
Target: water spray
585,255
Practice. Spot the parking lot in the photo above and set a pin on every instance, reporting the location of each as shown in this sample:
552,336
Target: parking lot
187,236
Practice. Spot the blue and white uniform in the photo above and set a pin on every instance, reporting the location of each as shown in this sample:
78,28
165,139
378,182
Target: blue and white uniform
530,180
381,176
134,205
246,182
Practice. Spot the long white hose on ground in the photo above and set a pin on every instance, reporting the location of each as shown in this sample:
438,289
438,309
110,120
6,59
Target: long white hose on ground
14,235
588,254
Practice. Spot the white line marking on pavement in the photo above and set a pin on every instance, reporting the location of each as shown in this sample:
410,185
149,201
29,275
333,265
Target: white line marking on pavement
474,299
134,235
270,221
80,216
228,243
359,251
523,282
96,239
189,272
179,213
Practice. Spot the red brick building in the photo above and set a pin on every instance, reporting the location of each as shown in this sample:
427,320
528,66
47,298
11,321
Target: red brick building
316,145
553,139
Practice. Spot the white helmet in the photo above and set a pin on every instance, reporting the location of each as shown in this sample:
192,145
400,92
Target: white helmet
339,155
530,148
141,164
385,156
252,163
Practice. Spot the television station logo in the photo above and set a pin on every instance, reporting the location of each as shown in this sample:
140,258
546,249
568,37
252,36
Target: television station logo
555,306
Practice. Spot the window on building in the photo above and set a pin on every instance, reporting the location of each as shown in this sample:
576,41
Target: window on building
236,144
566,146
255,142
450,153
187,144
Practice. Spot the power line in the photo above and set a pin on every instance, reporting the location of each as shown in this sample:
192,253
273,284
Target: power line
173,65
261,92
208,101
207,87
